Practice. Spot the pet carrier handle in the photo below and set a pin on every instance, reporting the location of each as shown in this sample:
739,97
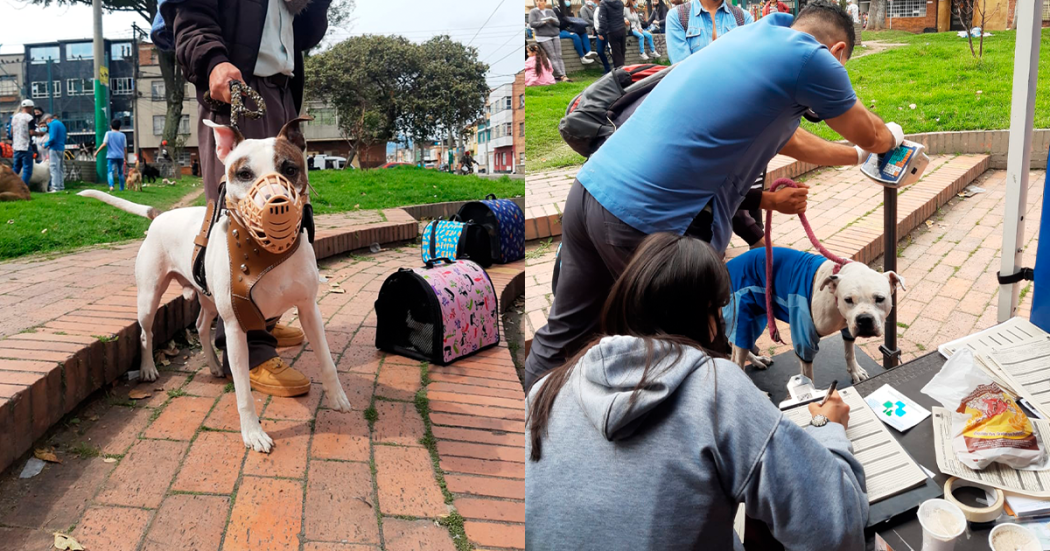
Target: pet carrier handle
432,261
490,197
433,239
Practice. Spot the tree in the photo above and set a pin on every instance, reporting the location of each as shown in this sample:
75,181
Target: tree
973,13
174,81
369,81
877,15
451,93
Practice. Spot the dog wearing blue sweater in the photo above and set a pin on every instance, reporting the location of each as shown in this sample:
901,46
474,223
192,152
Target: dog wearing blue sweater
812,299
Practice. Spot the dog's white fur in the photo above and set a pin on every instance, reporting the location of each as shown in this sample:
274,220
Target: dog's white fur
855,282
166,255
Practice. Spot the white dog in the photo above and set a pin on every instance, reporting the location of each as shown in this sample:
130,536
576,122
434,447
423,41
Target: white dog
168,248
815,301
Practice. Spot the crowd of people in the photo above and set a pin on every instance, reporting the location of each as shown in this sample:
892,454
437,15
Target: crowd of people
688,25
629,391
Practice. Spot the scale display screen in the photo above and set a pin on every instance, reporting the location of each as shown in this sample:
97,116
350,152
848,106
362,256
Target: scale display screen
899,167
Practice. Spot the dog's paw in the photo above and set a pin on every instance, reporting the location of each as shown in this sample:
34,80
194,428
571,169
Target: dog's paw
149,373
257,439
338,400
858,374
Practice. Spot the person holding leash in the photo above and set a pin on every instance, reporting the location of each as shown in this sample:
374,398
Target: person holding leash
260,44
686,160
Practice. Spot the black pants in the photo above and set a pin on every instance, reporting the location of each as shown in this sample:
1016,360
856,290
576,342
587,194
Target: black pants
618,45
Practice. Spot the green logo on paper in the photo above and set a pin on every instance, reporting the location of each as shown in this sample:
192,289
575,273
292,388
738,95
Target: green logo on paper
889,411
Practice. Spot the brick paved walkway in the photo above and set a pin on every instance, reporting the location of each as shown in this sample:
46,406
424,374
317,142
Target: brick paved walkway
949,266
175,475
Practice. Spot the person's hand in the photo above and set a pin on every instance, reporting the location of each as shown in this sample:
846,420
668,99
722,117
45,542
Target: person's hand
898,134
788,200
835,410
219,81
862,154
600,37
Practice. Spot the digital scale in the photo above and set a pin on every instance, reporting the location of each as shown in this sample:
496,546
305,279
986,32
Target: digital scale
802,391
900,167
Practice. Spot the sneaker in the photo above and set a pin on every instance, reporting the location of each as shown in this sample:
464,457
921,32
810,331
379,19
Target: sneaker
586,61
276,378
287,336
656,54
591,55
645,57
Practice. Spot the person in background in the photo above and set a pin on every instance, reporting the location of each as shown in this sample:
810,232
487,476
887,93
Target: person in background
675,437
56,151
537,67
631,13
195,168
544,24
600,43
658,17
587,13
707,20
569,28
614,27
853,11
775,6
23,129
116,144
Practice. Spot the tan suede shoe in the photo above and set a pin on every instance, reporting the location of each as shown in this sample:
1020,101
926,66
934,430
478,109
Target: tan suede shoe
276,378
287,336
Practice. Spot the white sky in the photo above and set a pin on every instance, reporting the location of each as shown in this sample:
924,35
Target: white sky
499,43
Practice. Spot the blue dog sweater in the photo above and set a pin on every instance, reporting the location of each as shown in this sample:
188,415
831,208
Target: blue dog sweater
793,273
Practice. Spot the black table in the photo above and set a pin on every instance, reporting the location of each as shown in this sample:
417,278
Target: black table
908,379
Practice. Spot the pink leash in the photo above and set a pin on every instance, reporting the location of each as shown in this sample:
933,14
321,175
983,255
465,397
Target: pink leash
771,320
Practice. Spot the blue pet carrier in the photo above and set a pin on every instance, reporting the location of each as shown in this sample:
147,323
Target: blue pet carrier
505,223
454,239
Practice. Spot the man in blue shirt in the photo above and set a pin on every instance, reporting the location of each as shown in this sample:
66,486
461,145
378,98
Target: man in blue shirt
56,150
686,160
117,151
708,20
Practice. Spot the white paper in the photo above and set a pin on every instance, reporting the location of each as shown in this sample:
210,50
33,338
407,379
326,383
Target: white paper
1027,368
1012,332
1025,482
896,409
1028,506
32,468
889,469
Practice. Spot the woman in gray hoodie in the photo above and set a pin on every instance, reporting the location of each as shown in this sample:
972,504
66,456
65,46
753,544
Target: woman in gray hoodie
650,439
544,23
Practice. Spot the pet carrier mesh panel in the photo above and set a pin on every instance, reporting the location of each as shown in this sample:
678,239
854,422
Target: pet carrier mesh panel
453,239
439,313
504,221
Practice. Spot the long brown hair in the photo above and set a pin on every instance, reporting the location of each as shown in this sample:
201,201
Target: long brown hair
541,57
666,296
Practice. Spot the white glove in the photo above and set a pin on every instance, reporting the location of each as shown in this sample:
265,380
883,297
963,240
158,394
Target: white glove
898,134
862,155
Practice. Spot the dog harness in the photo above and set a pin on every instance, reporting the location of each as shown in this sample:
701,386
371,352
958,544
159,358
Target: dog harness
793,272
249,261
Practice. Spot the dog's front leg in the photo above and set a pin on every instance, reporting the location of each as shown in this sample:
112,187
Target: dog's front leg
807,368
251,431
856,372
313,327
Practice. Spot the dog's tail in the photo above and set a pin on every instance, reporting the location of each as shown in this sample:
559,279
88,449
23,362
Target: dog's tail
144,211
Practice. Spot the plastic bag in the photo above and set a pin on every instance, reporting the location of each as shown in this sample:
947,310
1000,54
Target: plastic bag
987,424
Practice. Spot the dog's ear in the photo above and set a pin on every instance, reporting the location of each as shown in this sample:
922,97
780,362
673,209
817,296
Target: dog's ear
293,133
895,281
832,280
227,138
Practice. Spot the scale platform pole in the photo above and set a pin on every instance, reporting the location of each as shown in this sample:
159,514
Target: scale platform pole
891,355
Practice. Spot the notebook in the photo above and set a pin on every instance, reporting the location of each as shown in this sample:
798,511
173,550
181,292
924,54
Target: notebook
888,468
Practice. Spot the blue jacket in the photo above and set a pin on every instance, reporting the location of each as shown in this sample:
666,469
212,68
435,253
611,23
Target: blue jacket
668,471
682,42
56,135
793,275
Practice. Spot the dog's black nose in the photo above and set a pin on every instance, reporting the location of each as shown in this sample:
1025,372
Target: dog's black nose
865,322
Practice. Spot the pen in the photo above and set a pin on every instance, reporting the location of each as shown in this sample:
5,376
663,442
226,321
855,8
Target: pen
831,389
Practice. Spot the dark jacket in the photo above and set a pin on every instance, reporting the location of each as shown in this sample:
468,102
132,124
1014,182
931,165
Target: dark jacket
658,14
210,32
612,18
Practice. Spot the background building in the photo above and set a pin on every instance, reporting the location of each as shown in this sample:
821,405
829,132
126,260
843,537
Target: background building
11,86
506,112
151,111
59,79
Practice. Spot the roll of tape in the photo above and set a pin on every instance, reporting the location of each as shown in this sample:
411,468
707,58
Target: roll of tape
975,514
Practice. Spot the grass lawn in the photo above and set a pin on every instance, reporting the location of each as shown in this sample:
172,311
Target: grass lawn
54,222
935,72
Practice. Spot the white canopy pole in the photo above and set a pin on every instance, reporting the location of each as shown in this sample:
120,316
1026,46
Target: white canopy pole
1029,20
